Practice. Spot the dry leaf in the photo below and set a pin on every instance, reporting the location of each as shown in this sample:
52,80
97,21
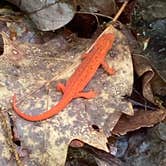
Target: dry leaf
152,82
32,71
47,15
103,6
140,119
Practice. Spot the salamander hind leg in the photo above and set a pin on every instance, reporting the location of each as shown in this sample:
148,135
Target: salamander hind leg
107,68
60,87
87,95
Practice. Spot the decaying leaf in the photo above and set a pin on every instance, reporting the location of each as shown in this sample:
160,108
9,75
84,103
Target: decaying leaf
47,15
103,6
152,82
140,119
32,71
8,148
5,155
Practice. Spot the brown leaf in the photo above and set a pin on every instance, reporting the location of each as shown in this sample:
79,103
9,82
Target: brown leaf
102,6
152,82
47,15
33,76
140,119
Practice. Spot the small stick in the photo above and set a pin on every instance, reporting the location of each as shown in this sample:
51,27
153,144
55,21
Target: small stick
120,11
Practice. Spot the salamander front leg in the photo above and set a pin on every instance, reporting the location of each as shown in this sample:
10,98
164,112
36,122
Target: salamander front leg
107,68
87,95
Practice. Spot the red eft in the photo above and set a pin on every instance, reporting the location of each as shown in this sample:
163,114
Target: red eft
79,79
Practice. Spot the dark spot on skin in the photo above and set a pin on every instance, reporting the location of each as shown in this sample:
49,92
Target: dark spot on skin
95,127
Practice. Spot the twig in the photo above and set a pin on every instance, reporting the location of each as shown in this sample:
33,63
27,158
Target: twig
102,15
120,11
95,14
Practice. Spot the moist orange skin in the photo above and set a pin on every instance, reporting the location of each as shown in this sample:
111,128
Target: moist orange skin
79,79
